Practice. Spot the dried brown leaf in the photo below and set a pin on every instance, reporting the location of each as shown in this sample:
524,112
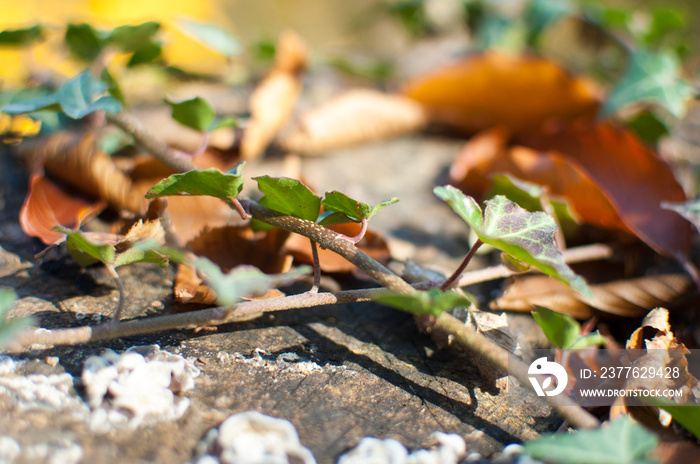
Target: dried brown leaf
190,288
75,159
676,453
272,102
629,297
357,116
47,205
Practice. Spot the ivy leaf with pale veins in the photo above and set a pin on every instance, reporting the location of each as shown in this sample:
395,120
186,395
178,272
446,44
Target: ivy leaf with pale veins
689,210
563,330
86,251
354,210
651,78
289,196
243,280
527,236
208,182
196,113
433,301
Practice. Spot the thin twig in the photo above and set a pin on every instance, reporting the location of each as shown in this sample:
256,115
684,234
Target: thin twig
449,282
360,235
122,293
169,156
572,255
317,269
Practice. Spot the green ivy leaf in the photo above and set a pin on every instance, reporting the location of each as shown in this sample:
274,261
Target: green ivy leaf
138,255
527,236
663,22
622,441
196,114
84,41
132,38
289,196
77,98
214,37
243,280
146,54
22,36
208,182
651,78
433,301
563,330
686,415
689,210
86,251
353,210
9,328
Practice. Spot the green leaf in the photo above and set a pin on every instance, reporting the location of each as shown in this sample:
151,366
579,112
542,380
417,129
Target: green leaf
561,329
86,251
214,37
243,280
289,196
340,203
622,441
22,36
9,328
433,301
226,122
77,98
688,416
539,14
84,41
651,78
328,218
591,339
137,255
132,38
208,182
146,54
663,22
689,210
648,127
196,114
527,236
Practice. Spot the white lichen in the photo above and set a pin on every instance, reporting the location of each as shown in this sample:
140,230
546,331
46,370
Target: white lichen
448,449
31,392
254,438
9,449
142,386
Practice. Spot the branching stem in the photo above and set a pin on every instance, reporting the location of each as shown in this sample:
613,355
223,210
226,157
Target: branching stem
317,269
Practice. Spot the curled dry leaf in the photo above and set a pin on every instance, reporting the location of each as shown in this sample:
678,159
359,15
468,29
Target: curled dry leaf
629,298
373,243
494,89
229,247
654,346
47,205
272,102
354,117
75,159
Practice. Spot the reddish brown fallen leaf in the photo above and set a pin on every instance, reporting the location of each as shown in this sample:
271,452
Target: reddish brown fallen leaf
75,159
633,177
373,243
47,205
229,247
272,102
676,452
629,298
487,154
494,89
357,116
